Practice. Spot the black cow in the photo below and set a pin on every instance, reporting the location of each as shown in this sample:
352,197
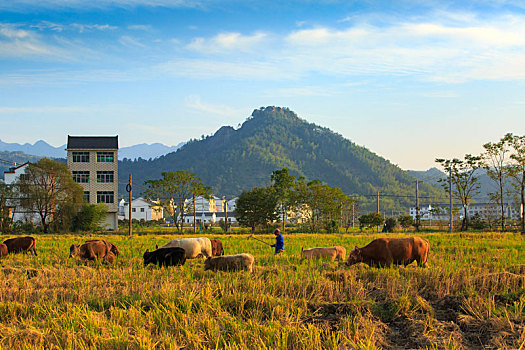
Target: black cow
165,257
21,244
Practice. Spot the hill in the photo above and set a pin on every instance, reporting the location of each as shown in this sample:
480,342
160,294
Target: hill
233,160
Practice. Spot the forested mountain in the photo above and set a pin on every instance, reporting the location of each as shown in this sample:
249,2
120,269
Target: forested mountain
233,160
9,158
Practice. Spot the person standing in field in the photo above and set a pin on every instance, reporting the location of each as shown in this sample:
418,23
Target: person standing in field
279,241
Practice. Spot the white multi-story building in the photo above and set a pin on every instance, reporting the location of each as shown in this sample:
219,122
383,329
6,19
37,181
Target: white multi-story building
10,177
209,210
481,209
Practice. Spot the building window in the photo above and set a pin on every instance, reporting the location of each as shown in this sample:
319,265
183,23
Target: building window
142,210
81,176
24,177
80,157
104,176
105,196
86,196
133,209
104,157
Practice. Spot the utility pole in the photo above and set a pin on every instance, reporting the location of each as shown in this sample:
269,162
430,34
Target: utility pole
194,216
226,215
450,198
418,218
128,188
378,207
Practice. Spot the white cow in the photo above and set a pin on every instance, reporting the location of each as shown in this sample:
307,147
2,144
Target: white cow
194,247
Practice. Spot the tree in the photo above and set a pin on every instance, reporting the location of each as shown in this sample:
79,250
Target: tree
496,161
371,220
321,204
405,221
283,183
6,194
390,224
48,190
517,171
173,192
464,181
257,207
90,217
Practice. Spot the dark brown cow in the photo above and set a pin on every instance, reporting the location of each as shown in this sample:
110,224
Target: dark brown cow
94,250
114,248
216,247
383,252
21,244
3,250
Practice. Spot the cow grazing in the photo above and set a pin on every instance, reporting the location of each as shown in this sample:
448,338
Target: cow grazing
194,247
94,250
383,252
3,250
21,244
237,262
330,253
114,248
165,257
216,247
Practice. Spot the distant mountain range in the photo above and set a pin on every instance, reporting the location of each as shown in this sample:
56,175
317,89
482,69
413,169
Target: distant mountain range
43,149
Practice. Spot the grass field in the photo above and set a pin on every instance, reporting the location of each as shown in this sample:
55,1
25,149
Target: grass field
471,296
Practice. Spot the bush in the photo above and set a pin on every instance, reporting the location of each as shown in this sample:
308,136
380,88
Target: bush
390,224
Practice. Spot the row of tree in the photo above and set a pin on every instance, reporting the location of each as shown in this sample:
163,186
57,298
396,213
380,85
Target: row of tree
46,191
504,162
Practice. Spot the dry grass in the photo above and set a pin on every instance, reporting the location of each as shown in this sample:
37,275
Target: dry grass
470,297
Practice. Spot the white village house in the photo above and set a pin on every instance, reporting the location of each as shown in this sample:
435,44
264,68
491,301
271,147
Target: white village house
10,177
141,209
210,210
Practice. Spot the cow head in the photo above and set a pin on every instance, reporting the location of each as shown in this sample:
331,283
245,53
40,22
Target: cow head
354,257
74,250
147,257
114,250
207,264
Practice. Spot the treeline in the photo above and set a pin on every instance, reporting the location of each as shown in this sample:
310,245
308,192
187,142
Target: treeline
504,163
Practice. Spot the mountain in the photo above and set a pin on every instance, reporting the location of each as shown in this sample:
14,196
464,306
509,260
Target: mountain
233,160
43,149
39,148
146,151
8,160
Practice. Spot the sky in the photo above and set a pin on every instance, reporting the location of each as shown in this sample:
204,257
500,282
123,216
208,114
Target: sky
410,80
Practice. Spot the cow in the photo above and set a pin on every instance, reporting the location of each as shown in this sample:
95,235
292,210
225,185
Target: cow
93,250
194,247
21,244
330,253
114,248
3,250
216,247
237,262
383,252
171,256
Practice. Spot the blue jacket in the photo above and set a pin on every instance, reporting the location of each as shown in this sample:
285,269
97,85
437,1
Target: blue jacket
279,243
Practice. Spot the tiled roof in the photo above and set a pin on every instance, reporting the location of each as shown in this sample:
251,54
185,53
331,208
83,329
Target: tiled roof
92,142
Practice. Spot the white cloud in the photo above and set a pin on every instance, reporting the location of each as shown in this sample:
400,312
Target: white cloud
194,102
130,42
227,42
31,5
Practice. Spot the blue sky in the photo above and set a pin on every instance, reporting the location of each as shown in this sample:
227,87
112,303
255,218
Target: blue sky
410,80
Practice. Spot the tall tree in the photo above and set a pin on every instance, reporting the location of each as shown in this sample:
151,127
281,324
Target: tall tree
48,190
6,195
257,207
517,171
464,181
283,184
173,191
496,161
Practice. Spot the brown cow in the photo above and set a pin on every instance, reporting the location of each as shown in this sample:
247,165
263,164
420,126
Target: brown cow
3,250
93,250
114,248
216,247
242,261
21,244
383,252
330,253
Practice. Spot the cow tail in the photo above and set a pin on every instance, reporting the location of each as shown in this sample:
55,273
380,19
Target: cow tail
425,257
